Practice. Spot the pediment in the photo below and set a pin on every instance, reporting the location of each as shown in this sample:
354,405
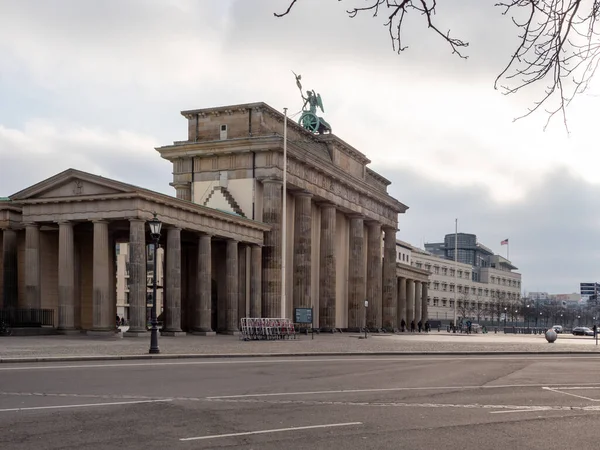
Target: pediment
73,183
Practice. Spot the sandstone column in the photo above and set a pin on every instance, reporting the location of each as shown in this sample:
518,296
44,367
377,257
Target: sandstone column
410,302
327,277
137,278
417,302
66,277
424,306
242,270
32,266
10,274
102,320
172,306
402,302
389,289
356,274
271,253
203,302
255,280
374,275
232,268
302,250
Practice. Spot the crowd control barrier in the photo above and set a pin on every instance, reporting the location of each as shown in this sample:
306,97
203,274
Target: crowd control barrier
258,328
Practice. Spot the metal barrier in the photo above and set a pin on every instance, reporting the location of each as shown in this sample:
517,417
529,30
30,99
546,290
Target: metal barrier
269,328
16,318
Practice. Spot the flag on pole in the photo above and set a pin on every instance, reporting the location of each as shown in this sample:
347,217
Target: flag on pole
504,242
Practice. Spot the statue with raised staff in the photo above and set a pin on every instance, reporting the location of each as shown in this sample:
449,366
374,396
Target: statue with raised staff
309,119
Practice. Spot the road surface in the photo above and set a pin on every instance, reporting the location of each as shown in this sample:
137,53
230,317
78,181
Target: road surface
416,402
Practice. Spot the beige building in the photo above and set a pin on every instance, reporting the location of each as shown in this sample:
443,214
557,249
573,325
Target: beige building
499,287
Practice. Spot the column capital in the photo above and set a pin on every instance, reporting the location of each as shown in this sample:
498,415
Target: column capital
99,221
30,224
356,216
325,204
391,229
303,194
271,180
137,219
64,222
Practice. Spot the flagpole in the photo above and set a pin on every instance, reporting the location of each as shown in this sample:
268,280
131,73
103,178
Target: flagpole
284,216
455,264
507,246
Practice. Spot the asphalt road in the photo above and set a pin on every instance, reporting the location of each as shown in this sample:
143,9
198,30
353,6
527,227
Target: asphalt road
493,402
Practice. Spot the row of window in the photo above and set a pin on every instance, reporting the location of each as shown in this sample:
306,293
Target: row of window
472,306
465,274
449,287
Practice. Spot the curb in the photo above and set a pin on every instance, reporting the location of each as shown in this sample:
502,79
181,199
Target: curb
281,355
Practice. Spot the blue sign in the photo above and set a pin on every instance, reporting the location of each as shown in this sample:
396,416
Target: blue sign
303,315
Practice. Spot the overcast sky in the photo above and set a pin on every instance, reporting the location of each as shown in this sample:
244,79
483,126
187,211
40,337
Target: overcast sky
97,85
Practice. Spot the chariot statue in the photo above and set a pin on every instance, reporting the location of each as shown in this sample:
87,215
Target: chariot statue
309,119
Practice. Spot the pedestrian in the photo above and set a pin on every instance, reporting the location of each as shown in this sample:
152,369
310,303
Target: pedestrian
427,326
412,326
402,325
420,326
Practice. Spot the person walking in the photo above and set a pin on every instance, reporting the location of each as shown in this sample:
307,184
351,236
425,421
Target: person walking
412,326
403,325
420,326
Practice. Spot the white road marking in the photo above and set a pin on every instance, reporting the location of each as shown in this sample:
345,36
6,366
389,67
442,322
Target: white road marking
419,405
540,408
87,405
355,391
278,430
559,391
298,360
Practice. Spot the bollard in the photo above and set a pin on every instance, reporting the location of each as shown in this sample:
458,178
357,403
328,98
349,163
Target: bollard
551,336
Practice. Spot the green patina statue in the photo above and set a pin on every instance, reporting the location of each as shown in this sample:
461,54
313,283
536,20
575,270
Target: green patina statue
309,119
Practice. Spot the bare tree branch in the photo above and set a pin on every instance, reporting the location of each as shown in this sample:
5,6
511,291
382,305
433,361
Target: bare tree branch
558,48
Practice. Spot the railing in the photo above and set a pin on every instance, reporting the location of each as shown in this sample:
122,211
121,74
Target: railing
27,317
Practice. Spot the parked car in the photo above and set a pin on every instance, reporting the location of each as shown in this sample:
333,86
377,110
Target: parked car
558,328
583,331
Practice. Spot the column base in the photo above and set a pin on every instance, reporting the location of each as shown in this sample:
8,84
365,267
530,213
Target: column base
233,333
68,331
173,333
101,333
203,333
136,333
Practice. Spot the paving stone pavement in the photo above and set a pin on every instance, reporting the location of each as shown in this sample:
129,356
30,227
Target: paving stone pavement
436,342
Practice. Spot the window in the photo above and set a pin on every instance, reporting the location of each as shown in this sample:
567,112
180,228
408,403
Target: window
473,291
444,287
419,265
436,269
451,303
436,301
451,288
444,271
460,289
444,302
451,272
436,286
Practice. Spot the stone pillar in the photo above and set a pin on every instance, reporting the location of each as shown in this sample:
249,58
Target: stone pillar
32,266
103,322
242,271
232,269
271,253
374,275
389,288
172,306
255,281
424,306
10,292
183,191
66,278
137,278
356,274
417,302
402,302
410,302
203,305
327,271
302,250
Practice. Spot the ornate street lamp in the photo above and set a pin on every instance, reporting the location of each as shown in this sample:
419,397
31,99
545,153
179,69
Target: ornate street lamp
155,226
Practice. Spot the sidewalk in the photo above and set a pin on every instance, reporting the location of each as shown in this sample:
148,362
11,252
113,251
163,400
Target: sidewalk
52,348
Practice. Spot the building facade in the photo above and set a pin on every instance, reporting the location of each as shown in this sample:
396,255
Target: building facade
451,282
224,254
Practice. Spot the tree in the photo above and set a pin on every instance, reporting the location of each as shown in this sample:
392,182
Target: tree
558,47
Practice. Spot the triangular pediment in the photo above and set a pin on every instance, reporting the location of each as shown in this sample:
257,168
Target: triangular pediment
73,183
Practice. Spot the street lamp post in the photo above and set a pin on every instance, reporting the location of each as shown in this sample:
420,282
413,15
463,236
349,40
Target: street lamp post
155,226
505,317
527,312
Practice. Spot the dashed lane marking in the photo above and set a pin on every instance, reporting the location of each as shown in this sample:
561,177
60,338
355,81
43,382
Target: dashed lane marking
86,405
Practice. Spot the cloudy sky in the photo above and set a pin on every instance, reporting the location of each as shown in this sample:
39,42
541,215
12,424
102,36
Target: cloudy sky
97,85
